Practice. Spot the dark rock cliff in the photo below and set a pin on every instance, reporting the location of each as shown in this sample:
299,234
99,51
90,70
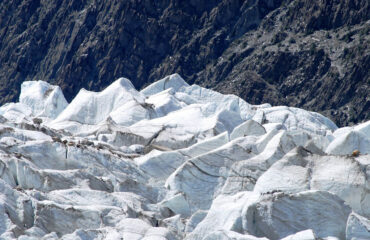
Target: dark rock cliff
309,54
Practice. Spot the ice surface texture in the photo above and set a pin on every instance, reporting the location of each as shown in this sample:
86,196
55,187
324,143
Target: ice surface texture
175,161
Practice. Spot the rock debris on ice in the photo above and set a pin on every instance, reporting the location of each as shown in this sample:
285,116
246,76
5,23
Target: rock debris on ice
175,161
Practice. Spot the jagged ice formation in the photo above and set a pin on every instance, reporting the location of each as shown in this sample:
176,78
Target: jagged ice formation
175,161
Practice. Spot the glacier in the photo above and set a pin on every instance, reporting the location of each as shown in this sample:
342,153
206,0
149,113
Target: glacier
177,161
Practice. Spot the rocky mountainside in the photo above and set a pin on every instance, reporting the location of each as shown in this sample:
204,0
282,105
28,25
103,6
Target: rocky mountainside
309,54
177,161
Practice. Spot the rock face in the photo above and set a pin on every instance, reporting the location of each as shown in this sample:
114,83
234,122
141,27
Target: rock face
177,161
307,54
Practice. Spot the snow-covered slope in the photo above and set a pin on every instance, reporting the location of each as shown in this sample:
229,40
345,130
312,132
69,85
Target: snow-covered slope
175,161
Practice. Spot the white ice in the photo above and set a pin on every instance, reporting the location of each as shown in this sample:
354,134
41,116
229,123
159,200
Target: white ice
177,161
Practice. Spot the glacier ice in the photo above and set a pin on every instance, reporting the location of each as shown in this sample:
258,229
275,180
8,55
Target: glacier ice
177,161
45,100
173,81
358,227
